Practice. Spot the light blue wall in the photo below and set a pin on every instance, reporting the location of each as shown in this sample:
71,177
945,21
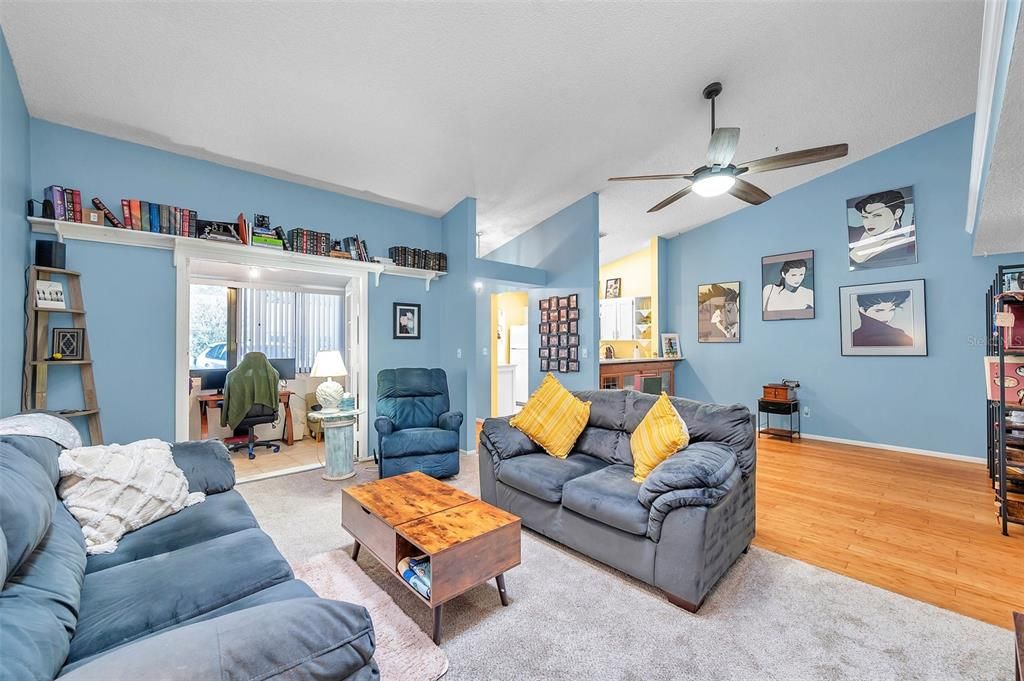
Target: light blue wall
14,239
566,246
933,403
129,291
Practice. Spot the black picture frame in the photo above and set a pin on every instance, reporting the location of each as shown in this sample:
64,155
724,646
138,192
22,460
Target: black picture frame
544,340
563,340
545,316
544,328
573,314
563,353
613,288
553,340
402,327
545,304
563,327
573,339
563,366
574,327
574,353
553,302
69,342
573,366
772,284
563,302
574,299
543,353
563,314
544,365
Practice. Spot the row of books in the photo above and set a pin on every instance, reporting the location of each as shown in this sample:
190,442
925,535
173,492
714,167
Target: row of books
355,247
67,203
302,240
420,258
145,216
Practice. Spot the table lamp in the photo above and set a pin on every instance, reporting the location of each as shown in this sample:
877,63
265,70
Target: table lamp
329,364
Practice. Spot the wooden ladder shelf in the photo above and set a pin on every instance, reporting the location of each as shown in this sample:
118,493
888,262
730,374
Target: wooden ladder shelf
38,358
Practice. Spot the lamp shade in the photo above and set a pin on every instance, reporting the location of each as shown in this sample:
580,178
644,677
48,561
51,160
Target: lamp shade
328,364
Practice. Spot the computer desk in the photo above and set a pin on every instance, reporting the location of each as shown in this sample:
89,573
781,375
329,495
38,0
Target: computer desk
207,400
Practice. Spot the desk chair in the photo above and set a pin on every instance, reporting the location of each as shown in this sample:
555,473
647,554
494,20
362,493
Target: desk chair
257,415
251,375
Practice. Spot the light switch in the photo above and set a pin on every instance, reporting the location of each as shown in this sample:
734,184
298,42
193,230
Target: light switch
583,352
458,353
483,351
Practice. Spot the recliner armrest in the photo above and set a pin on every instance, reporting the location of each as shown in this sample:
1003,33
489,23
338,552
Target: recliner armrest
450,420
384,425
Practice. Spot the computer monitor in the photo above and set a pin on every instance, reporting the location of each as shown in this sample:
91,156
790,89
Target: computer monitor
211,379
285,368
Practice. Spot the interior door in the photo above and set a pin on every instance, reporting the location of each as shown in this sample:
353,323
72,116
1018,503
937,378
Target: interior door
355,354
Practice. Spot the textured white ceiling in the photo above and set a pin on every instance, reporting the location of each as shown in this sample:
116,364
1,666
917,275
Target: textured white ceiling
526,106
1000,227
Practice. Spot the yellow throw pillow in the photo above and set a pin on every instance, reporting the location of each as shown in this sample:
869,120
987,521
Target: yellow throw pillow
660,434
553,417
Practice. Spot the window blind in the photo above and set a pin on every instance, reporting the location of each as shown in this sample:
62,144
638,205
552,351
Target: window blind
283,324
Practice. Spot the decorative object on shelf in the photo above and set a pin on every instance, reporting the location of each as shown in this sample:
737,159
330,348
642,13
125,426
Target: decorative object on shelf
670,345
68,344
329,364
418,258
1012,382
882,229
613,288
406,321
718,312
91,216
883,319
50,295
787,286
51,254
107,213
218,231
1011,320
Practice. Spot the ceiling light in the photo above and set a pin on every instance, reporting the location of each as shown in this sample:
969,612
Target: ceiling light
254,273
713,183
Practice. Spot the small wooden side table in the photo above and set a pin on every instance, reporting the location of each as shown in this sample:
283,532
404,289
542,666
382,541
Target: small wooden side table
788,408
339,441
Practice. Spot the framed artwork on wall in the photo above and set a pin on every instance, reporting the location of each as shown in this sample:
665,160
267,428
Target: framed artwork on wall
718,312
613,288
574,300
545,304
787,286
545,365
882,229
883,319
406,321
68,343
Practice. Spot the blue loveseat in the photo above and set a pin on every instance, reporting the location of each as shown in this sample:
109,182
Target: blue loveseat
201,594
416,430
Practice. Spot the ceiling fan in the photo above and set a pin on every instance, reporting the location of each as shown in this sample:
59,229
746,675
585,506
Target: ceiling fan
721,175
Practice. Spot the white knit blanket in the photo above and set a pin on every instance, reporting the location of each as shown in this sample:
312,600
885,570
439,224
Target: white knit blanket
114,489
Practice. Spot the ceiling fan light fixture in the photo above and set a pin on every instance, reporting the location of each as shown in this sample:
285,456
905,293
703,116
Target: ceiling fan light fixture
713,183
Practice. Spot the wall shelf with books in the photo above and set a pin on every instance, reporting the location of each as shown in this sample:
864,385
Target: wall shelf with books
258,256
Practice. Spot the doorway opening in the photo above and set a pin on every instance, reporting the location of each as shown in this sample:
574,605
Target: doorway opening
510,352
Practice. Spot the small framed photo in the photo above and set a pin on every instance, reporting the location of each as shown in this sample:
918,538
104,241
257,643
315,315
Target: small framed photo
544,365
883,319
544,340
545,304
574,300
670,345
406,321
50,295
574,353
613,288
573,338
545,328
563,314
574,366
68,343
544,316
563,340
553,302
574,313
563,353
543,353
563,302
563,366
563,327
553,340
574,327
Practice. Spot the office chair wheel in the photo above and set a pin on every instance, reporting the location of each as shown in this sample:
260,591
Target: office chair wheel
277,448
252,454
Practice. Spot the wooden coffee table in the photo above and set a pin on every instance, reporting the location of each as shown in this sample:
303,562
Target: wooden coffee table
468,541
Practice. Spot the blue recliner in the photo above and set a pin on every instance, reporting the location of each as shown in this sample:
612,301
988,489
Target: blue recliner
416,431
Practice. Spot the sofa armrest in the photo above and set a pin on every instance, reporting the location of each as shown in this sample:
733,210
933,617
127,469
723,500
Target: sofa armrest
384,425
702,465
206,464
450,420
298,638
505,441
682,498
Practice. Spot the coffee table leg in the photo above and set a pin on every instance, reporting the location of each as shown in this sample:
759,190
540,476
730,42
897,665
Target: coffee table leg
355,551
500,581
437,625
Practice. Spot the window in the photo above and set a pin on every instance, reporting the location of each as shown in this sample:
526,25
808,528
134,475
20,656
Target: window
283,324
208,327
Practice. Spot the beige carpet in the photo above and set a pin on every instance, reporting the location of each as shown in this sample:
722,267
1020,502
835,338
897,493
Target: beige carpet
771,617
404,652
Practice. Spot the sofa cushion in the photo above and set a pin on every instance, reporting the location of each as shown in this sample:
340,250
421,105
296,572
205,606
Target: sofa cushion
219,515
412,441
611,446
127,601
608,496
553,417
39,603
544,476
504,441
311,638
206,464
27,501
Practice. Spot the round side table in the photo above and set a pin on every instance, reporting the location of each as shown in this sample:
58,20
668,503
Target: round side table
339,441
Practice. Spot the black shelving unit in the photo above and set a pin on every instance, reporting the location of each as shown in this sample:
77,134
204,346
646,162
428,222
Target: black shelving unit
1005,450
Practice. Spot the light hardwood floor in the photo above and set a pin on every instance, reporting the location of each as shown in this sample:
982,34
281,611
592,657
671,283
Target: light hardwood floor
304,453
920,526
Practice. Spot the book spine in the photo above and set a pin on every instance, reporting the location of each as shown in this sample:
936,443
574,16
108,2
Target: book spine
57,192
164,219
126,212
147,217
136,214
193,223
69,205
107,213
76,195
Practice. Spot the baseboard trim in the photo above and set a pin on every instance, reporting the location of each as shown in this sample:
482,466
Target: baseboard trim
895,448
274,474
467,452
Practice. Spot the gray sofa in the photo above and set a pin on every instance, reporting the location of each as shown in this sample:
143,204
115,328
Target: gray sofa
679,531
201,594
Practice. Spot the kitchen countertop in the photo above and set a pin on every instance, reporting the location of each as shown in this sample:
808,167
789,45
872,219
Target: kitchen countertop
642,360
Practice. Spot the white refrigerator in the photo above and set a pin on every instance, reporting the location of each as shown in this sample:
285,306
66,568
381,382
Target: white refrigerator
519,357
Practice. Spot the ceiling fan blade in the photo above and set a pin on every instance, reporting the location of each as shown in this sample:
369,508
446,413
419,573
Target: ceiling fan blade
750,193
672,199
676,176
796,158
722,146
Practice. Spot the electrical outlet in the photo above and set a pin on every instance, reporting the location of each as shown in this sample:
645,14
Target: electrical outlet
458,353
807,412
483,351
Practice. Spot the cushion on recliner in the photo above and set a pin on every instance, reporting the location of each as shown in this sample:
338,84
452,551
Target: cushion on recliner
26,503
608,496
219,515
412,441
543,476
127,601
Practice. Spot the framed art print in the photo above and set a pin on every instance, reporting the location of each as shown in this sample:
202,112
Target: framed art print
545,304
545,328
407,321
563,366
882,229
613,288
563,302
543,353
718,312
883,319
573,313
573,366
69,343
787,286
574,299
544,365
670,345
